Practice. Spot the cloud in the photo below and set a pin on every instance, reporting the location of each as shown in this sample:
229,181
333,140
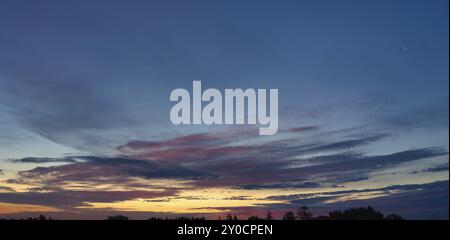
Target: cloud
284,163
415,201
70,199
69,111
96,169
343,145
212,146
300,129
57,104
436,168
43,160
339,193
193,146
95,179
291,184
208,160
411,201
6,189
325,170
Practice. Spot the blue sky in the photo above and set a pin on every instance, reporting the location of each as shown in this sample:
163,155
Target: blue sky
94,78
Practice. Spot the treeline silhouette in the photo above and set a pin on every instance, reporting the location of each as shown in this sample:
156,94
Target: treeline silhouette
302,213
361,213
38,218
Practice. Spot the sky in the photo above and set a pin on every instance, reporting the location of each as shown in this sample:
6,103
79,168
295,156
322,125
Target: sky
84,107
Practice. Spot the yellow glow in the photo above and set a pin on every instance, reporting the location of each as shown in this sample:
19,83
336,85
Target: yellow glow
190,199
179,205
7,208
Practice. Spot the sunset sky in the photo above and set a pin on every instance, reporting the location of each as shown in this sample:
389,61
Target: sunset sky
84,107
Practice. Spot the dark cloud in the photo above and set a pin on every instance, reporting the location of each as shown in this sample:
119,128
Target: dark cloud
70,199
328,170
6,189
412,201
44,160
438,168
417,201
239,198
99,169
300,129
292,184
274,164
344,145
335,194
343,162
88,172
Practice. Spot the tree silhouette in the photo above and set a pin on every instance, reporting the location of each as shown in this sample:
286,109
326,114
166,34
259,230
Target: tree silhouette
289,215
230,217
117,217
303,213
269,215
39,218
254,218
356,214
